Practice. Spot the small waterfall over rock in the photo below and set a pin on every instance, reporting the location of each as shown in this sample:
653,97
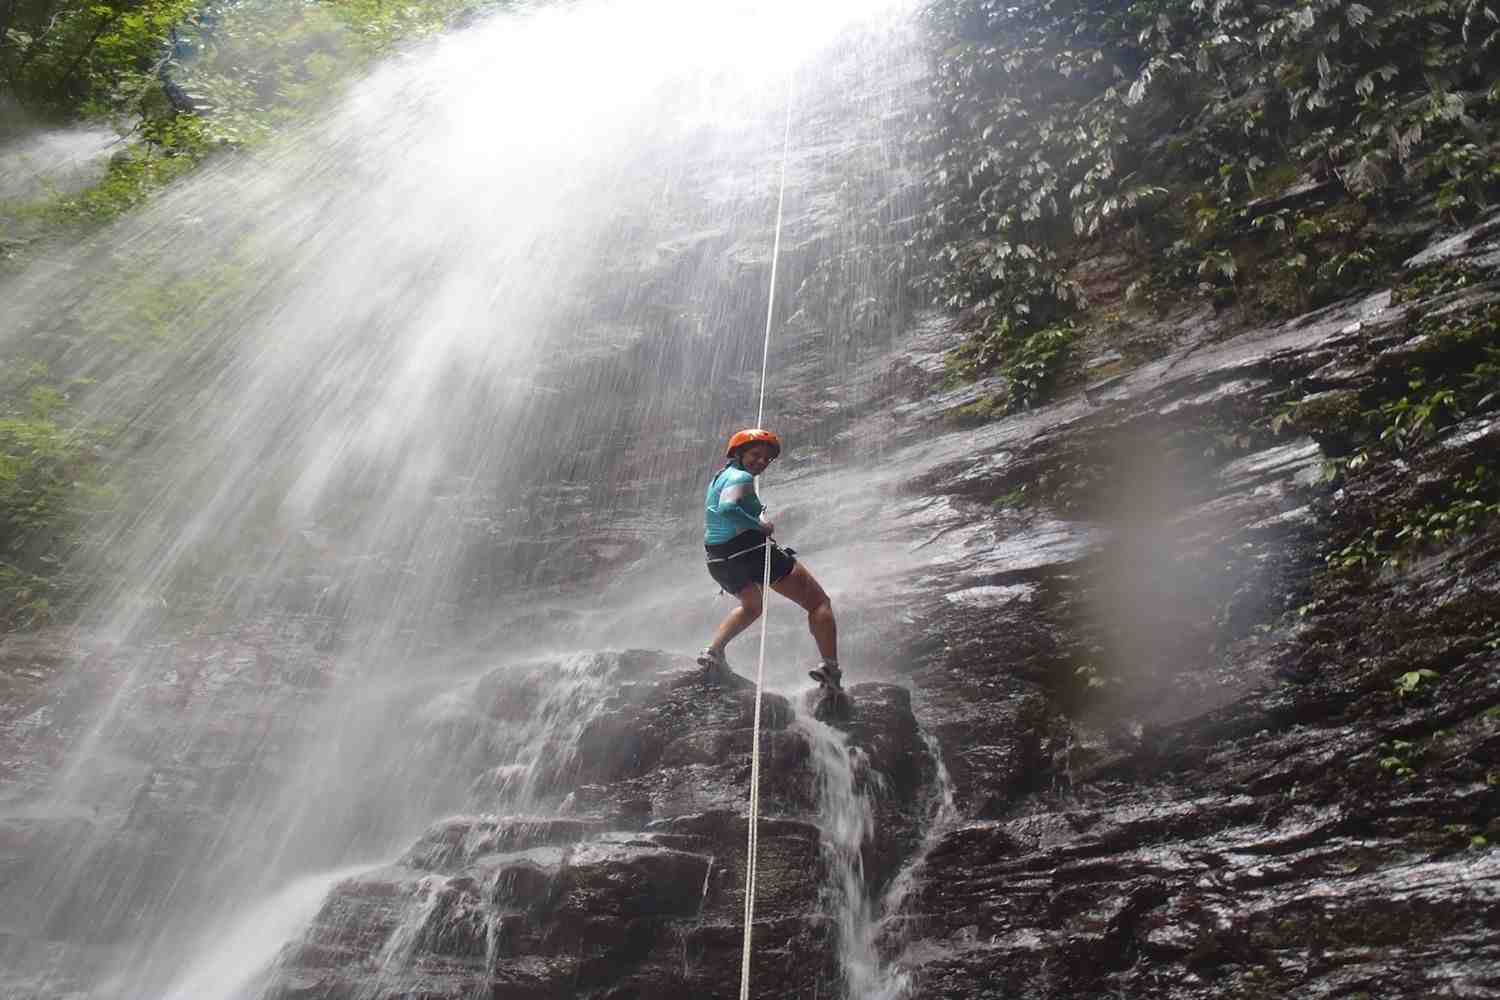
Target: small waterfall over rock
844,790
848,790
622,868
232,970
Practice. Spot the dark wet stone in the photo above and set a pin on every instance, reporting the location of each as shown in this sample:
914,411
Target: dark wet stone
1473,240
831,706
644,719
614,898
458,925
604,880
1152,824
1306,191
524,883
456,842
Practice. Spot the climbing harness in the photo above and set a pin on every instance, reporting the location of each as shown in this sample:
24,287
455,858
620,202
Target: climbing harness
753,845
746,552
768,544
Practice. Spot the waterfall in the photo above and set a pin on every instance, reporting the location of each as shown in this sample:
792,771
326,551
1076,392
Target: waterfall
942,815
847,820
847,786
230,970
424,389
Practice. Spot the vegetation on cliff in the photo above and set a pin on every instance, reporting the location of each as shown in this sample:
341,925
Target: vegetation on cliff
1263,159
46,488
1238,151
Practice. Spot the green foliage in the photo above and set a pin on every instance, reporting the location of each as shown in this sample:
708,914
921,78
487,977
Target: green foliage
988,407
259,64
36,459
147,59
101,56
1018,164
1400,759
1318,414
1363,554
132,177
1471,501
1055,122
184,79
181,81
1431,282
1036,364
141,307
48,482
1032,361
1413,681
1466,504
1468,179
1013,499
27,600
1416,416
1453,374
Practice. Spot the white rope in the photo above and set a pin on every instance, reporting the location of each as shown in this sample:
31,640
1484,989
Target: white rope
765,357
752,848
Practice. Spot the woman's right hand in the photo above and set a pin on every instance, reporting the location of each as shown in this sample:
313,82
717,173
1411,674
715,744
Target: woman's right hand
769,527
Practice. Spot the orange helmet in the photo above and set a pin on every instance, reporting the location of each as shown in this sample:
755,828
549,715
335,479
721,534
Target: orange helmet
753,435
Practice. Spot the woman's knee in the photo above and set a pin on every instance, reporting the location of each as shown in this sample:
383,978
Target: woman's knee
750,601
816,600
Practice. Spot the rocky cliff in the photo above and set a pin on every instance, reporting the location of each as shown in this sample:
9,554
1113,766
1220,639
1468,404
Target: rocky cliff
633,884
1140,726
1182,685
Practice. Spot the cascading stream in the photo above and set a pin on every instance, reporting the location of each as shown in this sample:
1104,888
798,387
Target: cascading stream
232,969
846,788
847,820
570,694
895,982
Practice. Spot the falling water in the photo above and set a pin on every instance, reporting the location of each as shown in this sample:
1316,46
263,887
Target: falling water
895,981
372,391
231,969
35,161
847,821
847,788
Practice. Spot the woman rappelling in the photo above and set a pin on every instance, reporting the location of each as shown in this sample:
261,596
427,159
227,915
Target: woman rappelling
738,540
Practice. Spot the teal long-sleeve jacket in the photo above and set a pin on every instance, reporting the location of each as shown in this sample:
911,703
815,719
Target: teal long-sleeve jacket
733,507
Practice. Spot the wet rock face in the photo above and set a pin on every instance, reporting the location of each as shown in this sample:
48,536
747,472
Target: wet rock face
897,772
1192,758
1184,760
626,878
1206,896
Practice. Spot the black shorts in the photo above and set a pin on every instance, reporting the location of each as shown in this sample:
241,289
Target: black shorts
742,560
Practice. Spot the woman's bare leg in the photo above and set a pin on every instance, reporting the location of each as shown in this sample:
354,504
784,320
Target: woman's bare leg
799,586
740,618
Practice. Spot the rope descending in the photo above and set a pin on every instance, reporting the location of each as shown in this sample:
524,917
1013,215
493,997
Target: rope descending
753,847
